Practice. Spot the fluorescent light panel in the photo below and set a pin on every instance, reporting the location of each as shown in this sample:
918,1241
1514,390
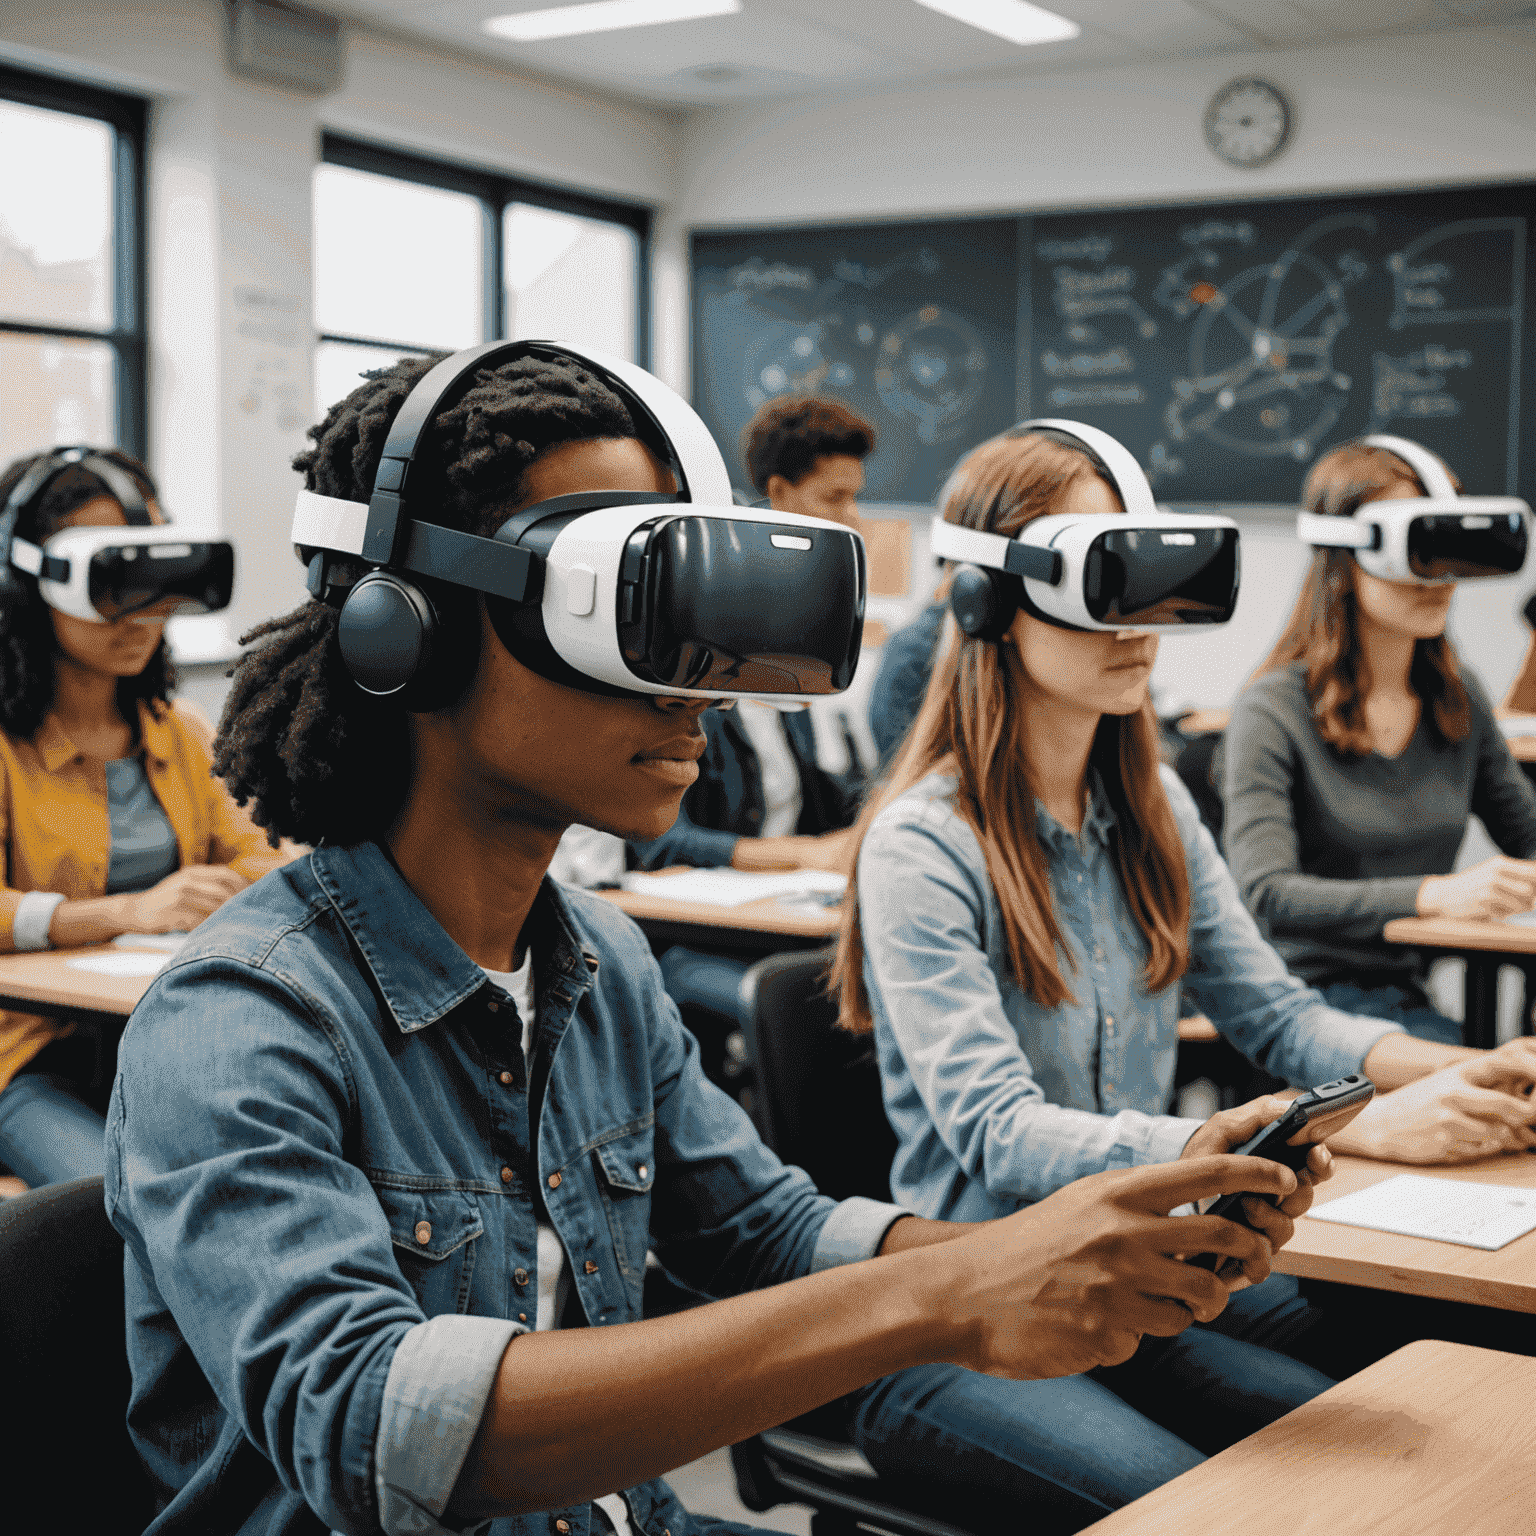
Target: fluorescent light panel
603,16
1015,20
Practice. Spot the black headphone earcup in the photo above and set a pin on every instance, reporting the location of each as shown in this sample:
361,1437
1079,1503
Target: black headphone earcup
983,602
400,640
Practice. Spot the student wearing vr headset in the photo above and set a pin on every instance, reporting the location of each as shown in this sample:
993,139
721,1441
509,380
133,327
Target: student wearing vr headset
111,821
1356,756
393,1134
1031,887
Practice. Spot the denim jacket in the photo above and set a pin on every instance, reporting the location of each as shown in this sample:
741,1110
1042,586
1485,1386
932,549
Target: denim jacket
997,1101
328,1162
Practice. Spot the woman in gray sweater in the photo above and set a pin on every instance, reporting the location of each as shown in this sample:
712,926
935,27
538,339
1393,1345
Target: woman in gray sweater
1353,762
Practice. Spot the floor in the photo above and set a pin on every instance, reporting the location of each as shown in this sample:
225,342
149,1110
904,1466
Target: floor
706,1487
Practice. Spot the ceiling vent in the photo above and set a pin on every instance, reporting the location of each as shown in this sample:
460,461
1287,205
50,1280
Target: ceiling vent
282,45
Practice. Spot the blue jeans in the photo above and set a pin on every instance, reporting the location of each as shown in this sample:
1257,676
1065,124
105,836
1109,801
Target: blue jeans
696,980
48,1133
1402,1002
1081,1446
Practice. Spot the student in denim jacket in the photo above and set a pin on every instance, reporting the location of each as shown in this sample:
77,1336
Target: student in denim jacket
1031,887
392,1136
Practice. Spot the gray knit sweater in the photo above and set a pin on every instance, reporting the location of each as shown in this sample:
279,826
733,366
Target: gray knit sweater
1327,847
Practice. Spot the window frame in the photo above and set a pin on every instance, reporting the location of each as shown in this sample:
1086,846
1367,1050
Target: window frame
495,192
128,334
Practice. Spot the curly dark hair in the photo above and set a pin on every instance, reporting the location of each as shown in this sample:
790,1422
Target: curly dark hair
789,434
317,758
28,644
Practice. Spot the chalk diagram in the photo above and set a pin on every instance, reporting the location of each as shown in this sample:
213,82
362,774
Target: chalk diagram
929,367
1261,380
1419,281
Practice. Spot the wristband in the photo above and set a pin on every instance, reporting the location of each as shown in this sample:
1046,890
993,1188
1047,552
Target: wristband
34,912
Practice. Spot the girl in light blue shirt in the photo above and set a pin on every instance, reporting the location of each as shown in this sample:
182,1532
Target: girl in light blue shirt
1032,891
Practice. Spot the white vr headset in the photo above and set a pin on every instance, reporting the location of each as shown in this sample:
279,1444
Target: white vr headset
612,592
1143,569
1430,539
102,575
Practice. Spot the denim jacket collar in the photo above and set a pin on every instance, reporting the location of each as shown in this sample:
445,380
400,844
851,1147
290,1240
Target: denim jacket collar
1098,820
421,973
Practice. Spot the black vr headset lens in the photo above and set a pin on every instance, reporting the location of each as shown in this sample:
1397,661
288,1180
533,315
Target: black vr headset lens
126,579
726,604
1162,576
1450,547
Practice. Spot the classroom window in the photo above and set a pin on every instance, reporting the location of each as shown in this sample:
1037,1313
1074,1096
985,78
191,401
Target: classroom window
414,255
71,270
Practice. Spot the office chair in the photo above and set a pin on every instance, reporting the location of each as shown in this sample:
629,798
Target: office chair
817,1104
64,1365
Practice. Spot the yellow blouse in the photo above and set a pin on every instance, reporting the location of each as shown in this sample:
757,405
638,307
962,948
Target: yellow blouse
55,830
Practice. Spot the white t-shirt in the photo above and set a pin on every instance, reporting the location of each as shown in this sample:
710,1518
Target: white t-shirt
553,1268
776,767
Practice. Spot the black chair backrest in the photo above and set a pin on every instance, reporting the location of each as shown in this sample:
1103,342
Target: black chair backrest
817,1095
64,1378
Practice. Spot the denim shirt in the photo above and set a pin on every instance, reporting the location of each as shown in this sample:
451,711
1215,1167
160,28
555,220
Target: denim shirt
997,1101
322,1157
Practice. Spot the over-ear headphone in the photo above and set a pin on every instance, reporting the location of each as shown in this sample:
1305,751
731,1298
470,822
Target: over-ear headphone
33,486
417,640
984,601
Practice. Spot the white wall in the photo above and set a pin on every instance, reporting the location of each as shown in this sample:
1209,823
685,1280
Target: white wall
1390,112
228,216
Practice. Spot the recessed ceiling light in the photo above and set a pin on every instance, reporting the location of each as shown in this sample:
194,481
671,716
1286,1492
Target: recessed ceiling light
603,16
1016,20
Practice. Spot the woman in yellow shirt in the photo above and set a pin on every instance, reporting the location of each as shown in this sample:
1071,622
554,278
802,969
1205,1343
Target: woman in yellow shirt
110,821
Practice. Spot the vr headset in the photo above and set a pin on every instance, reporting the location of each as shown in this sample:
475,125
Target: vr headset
1437,537
1142,569
618,593
106,574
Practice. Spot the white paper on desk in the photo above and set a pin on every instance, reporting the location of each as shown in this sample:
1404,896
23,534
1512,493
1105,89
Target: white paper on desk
1445,1210
1518,725
131,962
1521,919
166,943
734,887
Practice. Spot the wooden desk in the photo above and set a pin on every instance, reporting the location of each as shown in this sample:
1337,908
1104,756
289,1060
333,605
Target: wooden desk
1484,946
43,983
1415,1266
1436,1440
757,927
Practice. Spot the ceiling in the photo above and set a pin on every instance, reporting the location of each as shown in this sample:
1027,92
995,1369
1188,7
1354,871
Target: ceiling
804,47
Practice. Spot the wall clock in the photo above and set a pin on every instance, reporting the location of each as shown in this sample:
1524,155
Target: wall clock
1247,123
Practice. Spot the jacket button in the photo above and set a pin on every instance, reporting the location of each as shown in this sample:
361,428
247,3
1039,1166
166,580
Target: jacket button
563,1526
505,1079
590,1267
423,1231
493,1007
554,1181
506,1175
641,1171
520,1276
522,1317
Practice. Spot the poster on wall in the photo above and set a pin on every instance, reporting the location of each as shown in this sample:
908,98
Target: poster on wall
911,325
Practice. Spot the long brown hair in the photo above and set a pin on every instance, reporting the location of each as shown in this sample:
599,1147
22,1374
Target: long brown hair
1324,627
972,722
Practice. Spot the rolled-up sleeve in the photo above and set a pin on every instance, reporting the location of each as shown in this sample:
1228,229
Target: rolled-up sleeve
933,987
439,1382
1243,986
269,1248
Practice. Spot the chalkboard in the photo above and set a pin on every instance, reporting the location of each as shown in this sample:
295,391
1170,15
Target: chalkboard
1226,344
912,325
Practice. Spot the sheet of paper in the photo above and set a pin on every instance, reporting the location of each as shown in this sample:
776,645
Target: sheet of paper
1446,1210
1522,919
131,962
166,943
733,887
1518,725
